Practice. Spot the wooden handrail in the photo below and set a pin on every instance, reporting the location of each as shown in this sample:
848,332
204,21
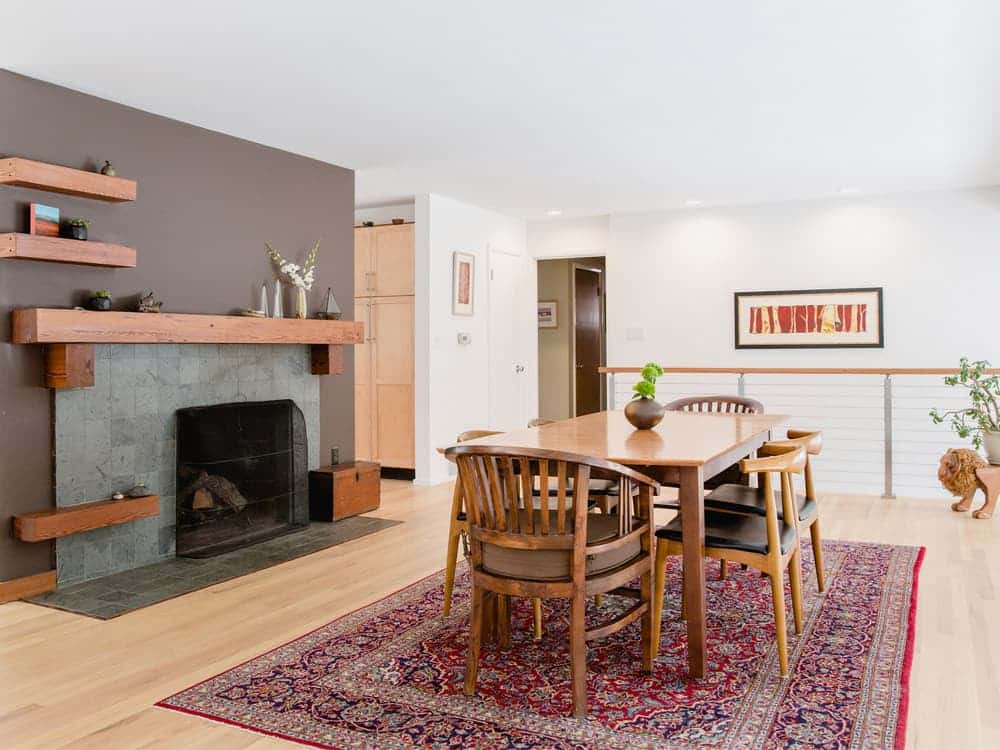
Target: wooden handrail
802,370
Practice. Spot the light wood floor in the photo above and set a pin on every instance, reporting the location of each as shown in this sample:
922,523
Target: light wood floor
70,681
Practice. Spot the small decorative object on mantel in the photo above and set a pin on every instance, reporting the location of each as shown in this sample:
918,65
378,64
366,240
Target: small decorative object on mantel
139,490
100,300
643,411
398,221
262,308
107,170
301,277
43,220
278,309
980,420
962,471
117,496
148,302
367,223
332,311
74,228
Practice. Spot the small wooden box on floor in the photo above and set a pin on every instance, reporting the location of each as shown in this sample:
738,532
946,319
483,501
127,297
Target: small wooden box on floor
343,490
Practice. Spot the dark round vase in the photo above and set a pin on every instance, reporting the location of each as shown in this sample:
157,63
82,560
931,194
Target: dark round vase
74,232
100,303
644,413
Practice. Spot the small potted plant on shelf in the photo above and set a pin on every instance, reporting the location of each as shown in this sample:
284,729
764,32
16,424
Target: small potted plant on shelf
643,411
980,420
75,228
100,300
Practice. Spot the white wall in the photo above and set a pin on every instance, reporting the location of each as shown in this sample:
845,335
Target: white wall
451,380
674,273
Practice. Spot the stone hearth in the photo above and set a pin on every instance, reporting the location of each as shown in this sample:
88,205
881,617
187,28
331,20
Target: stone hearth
121,432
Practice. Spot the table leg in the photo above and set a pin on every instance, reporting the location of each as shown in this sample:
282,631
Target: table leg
692,502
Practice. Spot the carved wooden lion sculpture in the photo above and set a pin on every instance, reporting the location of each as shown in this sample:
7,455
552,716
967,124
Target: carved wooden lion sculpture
962,471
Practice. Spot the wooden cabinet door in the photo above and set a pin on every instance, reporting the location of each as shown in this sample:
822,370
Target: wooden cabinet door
392,260
364,449
392,358
363,268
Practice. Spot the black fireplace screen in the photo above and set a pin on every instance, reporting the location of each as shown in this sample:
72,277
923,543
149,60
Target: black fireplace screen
241,475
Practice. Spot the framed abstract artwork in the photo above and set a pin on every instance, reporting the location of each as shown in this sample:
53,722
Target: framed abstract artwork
809,319
547,315
463,283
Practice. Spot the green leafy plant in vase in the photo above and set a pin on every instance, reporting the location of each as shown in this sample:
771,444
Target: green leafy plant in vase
980,420
644,412
75,228
100,300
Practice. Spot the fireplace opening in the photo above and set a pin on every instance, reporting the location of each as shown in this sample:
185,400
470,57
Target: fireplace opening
242,475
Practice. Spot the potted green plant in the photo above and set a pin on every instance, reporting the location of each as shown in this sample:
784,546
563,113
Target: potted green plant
100,300
643,411
75,228
980,420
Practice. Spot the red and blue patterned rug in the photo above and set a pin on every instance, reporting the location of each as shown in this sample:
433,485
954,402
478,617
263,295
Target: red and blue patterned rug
390,675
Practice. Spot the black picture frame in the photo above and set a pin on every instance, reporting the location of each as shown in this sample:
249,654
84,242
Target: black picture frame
880,328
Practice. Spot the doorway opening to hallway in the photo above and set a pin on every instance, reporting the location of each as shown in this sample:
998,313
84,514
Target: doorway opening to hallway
571,336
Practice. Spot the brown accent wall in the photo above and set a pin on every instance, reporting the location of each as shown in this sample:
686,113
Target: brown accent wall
207,202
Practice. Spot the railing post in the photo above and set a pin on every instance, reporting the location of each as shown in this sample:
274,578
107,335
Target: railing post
887,435
610,396
741,385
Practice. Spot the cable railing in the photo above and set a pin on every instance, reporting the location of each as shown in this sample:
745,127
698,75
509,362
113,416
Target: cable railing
879,438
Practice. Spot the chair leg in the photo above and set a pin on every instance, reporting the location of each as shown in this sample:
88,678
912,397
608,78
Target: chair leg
778,595
723,569
536,605
648,643
578,653
795,577
503,621
660,567
451,562
475,640
818,554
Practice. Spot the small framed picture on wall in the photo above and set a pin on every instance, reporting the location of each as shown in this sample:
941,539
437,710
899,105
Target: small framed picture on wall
809,319
547,315
463,283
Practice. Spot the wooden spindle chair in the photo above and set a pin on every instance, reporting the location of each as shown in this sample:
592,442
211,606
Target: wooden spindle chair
769,543
740,498
458,531
557,549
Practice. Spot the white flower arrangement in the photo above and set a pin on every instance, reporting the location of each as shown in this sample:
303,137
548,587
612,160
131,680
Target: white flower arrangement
299,276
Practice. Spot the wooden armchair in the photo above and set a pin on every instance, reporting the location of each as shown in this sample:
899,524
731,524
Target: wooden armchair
555,550
768,542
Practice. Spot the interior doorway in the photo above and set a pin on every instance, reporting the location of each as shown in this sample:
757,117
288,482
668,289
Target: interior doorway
571,336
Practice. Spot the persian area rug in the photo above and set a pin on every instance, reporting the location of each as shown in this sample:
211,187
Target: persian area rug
390,675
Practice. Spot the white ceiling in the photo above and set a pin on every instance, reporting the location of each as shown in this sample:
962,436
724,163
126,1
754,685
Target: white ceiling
589,107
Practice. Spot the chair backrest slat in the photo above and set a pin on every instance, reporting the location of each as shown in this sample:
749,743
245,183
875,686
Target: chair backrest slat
718,404
543,496
561,497
524,466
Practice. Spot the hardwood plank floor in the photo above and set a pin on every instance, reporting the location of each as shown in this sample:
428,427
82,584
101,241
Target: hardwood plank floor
70,681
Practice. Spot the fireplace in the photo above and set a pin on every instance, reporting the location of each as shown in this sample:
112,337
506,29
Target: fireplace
242,475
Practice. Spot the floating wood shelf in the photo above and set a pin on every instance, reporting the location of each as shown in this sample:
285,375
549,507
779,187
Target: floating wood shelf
62,250
56,179
70,335
59,522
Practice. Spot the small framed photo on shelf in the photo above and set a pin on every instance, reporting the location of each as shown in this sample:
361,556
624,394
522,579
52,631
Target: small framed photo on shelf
463,283
43,220
809,319
548,314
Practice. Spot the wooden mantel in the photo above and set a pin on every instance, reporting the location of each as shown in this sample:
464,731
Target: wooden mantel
71,334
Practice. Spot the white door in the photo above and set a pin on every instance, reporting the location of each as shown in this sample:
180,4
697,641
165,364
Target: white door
511,334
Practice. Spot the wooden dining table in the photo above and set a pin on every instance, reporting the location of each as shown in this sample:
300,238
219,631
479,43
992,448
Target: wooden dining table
685,449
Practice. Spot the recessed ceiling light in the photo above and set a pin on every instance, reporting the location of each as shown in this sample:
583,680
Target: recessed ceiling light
692,204
554,212
849,190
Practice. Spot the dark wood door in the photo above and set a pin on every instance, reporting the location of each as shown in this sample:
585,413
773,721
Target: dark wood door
587,336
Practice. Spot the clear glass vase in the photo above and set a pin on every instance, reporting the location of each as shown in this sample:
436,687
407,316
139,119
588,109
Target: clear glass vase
300,303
